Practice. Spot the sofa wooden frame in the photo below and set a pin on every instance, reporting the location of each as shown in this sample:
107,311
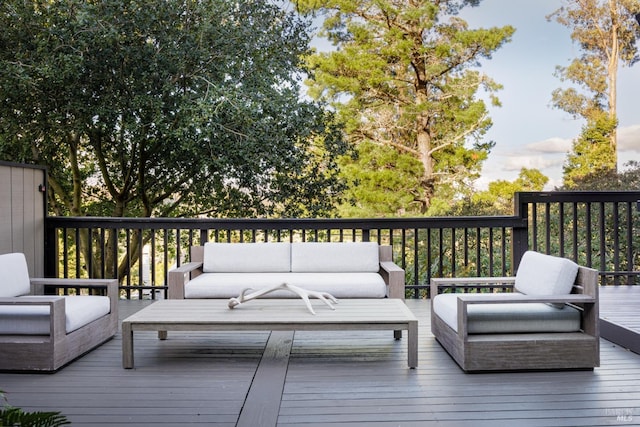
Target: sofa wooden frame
51,352
392,275
521,351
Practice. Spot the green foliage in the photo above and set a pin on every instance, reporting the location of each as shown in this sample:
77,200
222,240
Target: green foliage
145,108
591,153
10,417
608,179
498,198
383,181
401,78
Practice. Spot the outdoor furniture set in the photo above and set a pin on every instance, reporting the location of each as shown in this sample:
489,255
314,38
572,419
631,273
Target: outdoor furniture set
549,322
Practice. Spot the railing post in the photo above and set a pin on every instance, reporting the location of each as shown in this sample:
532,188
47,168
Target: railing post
520,243
50,250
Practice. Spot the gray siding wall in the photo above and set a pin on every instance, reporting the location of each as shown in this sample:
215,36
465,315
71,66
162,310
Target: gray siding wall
22,212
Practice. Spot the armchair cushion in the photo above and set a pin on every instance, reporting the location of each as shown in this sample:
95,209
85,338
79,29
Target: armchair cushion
507,317
540,274
344,257
15,275
35,319
246,257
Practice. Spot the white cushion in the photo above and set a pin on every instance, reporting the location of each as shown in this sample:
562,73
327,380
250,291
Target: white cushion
335,257
246,257
340,285
15,275
540,274
34,319
507,317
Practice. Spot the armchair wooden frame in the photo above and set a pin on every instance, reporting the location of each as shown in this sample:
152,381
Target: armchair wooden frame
521,351
50,352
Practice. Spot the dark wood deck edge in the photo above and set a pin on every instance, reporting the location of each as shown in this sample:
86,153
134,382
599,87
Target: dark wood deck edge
262,404
620,335
619,313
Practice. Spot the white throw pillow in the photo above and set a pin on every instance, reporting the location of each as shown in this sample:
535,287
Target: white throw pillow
247,257
540,274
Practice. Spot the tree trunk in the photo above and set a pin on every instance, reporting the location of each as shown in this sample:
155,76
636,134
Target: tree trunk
612,70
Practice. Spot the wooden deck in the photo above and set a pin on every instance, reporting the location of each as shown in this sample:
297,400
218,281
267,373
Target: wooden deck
332,379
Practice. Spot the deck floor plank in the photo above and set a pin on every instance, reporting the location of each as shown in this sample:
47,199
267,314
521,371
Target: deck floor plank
333,379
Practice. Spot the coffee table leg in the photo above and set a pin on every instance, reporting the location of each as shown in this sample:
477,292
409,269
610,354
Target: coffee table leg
412,344
127,346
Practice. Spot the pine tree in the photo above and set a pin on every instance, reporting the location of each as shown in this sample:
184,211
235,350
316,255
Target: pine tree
402,77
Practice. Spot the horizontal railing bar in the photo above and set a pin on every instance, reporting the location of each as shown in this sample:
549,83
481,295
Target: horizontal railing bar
578,196
277,223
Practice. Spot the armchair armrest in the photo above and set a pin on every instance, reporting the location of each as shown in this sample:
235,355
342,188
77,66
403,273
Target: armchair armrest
57,318
502,298
464,300
469,282
110,285
393,276
178,277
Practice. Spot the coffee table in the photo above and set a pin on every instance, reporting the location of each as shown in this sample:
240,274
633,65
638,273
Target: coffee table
271,315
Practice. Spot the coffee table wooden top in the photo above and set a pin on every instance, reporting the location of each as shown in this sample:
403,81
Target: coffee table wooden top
272,311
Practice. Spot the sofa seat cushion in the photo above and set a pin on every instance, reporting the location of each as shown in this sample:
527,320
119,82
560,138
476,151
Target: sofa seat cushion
339,257
340,285
34,319
508,317
246,257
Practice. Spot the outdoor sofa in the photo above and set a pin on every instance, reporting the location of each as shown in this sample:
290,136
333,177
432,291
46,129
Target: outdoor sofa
342,269
550,321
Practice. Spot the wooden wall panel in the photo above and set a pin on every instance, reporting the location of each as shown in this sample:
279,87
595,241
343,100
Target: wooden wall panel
22,213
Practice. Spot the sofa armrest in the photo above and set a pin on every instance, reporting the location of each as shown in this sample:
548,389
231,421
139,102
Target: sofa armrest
178,278
110,285
393,276
57,319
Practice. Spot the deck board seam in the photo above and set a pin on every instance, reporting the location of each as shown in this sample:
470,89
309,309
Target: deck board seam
262,403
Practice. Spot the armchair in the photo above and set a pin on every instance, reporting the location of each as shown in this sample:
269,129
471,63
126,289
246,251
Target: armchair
550,321
44,332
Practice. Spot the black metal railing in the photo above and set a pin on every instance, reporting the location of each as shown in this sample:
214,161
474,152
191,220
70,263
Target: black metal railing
595,229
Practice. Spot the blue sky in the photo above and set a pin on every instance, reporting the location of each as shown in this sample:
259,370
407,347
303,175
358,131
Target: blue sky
528,132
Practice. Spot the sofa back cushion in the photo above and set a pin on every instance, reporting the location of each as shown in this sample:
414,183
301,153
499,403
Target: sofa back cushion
15,275
335,257
247,257
540,274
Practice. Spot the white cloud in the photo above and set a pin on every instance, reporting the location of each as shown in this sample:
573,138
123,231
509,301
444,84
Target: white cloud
551,145
629,138
533,161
